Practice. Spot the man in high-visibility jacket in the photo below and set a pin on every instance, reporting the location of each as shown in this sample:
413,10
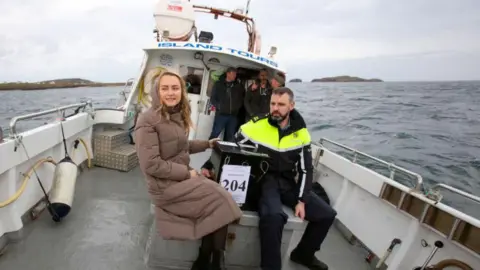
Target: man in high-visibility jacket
283,135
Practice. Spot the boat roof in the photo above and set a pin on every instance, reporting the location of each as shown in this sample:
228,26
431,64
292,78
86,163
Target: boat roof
216,48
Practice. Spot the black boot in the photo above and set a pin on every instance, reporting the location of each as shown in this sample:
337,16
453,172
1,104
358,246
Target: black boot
311,262
203,261
218,260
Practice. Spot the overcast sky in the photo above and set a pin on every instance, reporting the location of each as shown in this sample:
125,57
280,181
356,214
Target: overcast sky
102,40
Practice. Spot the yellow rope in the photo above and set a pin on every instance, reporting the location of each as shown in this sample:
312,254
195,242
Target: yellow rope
25,180
89,155
35,166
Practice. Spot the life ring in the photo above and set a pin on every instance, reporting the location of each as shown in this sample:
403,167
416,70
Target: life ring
442,265
449,263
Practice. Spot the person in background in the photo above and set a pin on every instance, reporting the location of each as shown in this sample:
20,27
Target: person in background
227,97
187,205
276,81
257,97
283,135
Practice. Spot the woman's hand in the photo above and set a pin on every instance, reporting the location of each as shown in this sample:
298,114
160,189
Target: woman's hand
206,173
193,173
212,142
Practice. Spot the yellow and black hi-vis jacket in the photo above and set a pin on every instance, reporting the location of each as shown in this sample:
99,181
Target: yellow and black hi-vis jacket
289,150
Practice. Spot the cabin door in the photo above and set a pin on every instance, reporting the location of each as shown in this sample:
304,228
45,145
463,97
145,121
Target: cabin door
206,115
194,103
193,79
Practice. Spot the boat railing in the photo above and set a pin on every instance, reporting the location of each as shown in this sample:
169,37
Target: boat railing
391,167
127,87
467,195
60,110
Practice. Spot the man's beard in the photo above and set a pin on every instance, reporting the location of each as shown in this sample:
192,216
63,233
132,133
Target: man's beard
278,117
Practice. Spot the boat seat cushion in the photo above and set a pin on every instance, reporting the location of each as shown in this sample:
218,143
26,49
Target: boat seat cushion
294,223
251,219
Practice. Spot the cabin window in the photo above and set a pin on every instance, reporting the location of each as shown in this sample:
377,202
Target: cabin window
245,76
193,79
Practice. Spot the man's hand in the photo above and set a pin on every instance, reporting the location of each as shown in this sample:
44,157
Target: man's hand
193,173
206,173
300,210
212,142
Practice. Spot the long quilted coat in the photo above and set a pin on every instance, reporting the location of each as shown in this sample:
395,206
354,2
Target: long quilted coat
185,208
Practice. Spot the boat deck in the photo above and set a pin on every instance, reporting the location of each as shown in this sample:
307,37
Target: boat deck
108,228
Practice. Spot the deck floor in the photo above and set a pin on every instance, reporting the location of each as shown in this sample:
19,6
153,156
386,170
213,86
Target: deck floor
108,228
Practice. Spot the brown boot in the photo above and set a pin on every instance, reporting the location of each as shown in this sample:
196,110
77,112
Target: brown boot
203,261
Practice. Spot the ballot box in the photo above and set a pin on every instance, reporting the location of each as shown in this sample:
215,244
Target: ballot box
240,170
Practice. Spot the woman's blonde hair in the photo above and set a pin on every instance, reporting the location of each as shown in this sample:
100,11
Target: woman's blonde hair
184,105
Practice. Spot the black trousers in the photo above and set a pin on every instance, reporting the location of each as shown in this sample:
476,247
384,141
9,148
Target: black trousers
318,213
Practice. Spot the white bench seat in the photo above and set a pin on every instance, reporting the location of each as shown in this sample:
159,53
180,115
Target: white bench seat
242,251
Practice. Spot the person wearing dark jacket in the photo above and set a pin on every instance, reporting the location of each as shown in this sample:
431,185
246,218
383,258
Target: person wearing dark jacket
257,97
227,97
283,135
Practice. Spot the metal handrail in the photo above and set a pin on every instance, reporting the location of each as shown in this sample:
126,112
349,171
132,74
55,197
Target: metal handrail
458,191
13,122
391,166
127,86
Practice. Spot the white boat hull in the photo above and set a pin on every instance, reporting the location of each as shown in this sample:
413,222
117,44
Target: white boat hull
42,142
355,193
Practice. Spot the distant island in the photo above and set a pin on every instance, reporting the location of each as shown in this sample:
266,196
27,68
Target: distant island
295,80
345,79
52,84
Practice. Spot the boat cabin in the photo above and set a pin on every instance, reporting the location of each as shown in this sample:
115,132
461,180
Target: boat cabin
200,65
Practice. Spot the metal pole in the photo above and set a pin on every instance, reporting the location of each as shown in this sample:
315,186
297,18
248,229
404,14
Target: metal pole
438,244
248,5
